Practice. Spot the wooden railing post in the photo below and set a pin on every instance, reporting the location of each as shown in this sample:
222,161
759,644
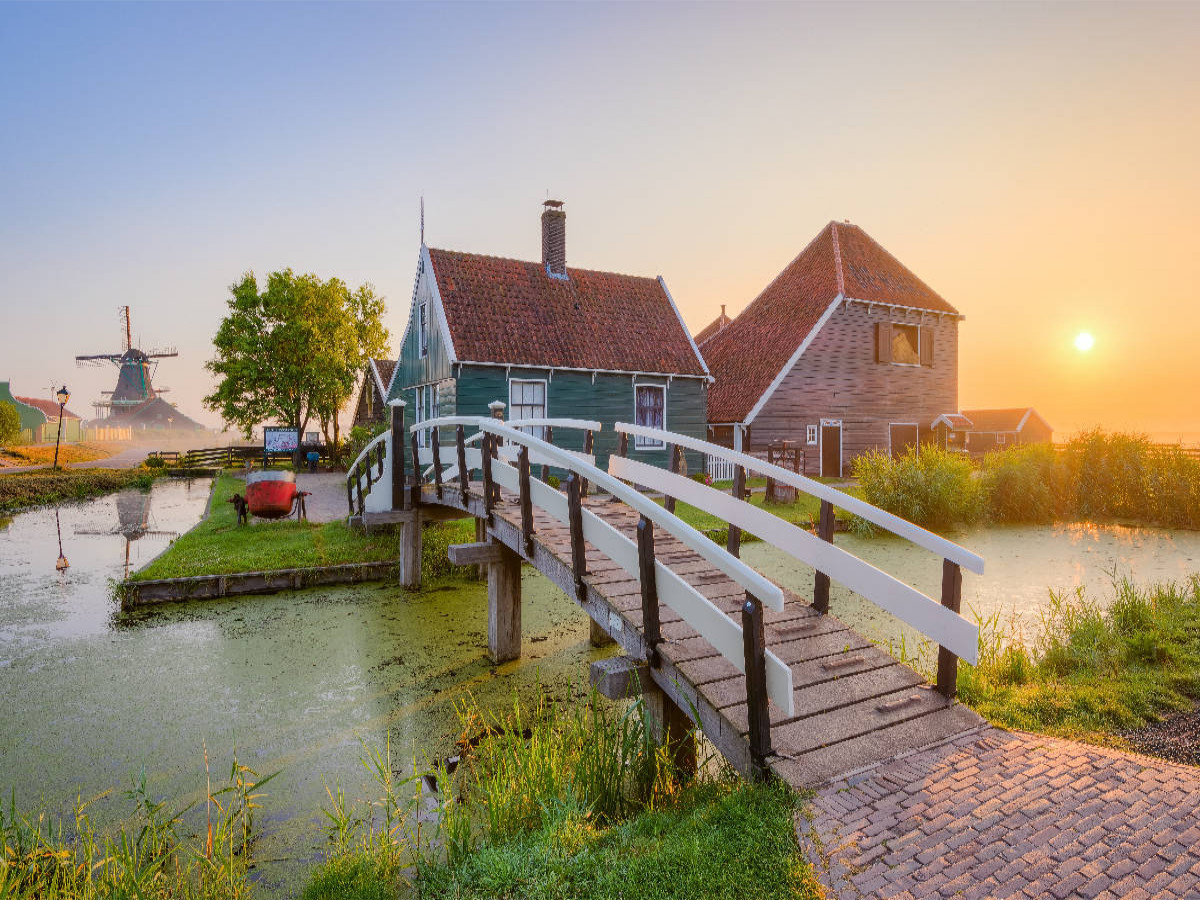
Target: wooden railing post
437,460
821,581
651,628
549,440
370,481
754,646
415,497
526,501
380,453
398,454
464,476
669,503
588,443
578,554
623,445
488,485
734,543
497,441
349,493
358,485
947,673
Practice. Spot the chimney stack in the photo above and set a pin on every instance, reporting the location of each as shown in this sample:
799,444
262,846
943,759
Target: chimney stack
554,239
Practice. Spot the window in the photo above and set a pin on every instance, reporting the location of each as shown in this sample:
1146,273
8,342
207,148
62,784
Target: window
811,436
650,411
906,345
424,325
527,400
425,409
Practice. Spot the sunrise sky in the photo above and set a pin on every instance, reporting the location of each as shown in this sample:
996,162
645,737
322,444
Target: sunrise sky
1037,165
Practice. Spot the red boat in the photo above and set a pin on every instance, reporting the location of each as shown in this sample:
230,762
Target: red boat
271,494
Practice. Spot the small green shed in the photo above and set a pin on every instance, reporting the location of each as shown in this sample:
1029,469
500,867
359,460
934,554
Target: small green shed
550,341
32,418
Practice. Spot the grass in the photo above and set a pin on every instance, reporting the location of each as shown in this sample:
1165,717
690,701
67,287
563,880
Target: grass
569,802
1094,672
39,454
24,490
218,546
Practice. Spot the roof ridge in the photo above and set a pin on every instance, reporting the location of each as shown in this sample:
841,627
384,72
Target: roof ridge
921,281
837,259
534,262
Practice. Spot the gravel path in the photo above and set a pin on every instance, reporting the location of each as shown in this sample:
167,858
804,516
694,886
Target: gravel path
1176,739
999,814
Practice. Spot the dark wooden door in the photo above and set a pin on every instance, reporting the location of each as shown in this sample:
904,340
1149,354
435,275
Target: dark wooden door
903,437
831,450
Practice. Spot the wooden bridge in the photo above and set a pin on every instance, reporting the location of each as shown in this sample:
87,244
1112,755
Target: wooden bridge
775,682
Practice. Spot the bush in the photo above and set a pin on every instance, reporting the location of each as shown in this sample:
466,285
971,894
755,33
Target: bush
10,424
359,437
1019,484
929,486
155,462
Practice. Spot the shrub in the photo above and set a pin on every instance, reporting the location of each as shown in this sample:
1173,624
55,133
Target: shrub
1019,484
359,437
10,424
929,486
155,462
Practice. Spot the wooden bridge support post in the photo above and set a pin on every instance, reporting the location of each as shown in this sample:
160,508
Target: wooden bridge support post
673,728
414,499
578,552
410,551
398,454
651,629
754,645
947,672
504,606
734,543
464,474
821,581
437,460
676,454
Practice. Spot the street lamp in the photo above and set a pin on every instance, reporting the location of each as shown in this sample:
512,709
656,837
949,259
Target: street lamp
63,396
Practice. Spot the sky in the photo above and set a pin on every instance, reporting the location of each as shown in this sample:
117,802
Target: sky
1035,164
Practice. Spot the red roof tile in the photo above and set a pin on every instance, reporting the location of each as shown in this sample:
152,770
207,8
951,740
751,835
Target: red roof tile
747,355
383,372
511,312
49,407
712,327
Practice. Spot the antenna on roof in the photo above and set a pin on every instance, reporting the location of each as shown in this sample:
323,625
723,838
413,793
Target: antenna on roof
422,219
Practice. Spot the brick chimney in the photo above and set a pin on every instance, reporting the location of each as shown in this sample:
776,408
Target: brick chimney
554,239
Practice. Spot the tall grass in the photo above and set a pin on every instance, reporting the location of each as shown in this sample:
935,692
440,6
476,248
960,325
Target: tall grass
45,859
928,486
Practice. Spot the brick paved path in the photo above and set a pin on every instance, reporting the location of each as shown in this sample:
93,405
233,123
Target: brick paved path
998,814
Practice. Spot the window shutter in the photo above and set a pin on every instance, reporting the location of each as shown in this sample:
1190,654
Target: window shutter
926,345
883,342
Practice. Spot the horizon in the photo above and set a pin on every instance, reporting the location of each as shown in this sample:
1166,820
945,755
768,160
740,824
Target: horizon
1031,164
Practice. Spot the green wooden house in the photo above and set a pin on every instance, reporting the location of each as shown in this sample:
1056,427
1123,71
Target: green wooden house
550,341
32,418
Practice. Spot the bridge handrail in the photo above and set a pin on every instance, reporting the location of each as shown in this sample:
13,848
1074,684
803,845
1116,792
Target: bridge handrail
768,594
893,523
579,424
382,437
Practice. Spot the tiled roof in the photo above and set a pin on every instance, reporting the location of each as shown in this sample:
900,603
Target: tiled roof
998,419
712,327
954,421
383,373
747,355
511,312
49,407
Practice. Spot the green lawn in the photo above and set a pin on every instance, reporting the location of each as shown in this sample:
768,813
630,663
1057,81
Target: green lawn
24,490
217,546
805,511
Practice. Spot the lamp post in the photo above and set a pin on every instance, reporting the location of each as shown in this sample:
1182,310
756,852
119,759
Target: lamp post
63,396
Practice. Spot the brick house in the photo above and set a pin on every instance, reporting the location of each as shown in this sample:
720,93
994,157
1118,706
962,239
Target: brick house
845,351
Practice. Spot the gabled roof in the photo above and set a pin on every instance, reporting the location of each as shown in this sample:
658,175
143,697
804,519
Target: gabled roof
382,369
510,312
1003,419
30,416
712,327
750,356
953,421
48,407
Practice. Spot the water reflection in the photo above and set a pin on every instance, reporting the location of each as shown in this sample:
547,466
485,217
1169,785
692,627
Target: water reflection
62,564
133,521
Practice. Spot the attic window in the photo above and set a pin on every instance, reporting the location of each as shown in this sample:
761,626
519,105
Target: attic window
424,332
903,345
906,345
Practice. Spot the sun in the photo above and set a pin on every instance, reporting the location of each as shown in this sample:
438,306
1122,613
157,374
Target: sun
1084,342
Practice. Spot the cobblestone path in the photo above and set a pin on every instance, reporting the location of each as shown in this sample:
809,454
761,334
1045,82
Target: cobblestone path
998,814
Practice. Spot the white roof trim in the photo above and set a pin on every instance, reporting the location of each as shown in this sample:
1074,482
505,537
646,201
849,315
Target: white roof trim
383,388
762,401
945,417
437,304
917,309
1024,418
662,284
586,369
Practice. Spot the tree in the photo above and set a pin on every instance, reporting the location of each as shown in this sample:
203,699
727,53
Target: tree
294,350
10,424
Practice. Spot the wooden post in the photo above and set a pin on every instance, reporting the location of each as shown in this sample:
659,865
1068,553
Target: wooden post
623,445
410,552
349,494
464,476
754,646
489,499
947,674
821,581
397,454
358,486
504,607
437,460
526,501
481,535
588,440
674,728
370,480
651,628
734,543
669,503
578,554
549,440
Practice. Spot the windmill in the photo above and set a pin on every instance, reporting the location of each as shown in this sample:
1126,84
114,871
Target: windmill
136,369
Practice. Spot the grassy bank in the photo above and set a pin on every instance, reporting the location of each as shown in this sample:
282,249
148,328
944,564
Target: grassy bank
1094,672
43,454
804,512
25,490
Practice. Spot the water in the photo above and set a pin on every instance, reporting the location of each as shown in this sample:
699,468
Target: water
1023,563
292,681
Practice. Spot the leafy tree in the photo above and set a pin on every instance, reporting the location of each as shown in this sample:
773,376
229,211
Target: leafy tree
294,350
10,424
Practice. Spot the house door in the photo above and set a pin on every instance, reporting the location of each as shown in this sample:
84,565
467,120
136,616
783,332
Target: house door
831,449
902,438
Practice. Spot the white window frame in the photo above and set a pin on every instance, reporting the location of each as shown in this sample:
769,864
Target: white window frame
423,329
644,443
811,435
423,410
540,431
917,364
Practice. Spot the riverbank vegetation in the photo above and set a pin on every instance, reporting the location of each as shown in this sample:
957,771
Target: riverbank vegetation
1094,671
1096,476
43,454
805,512
24,490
